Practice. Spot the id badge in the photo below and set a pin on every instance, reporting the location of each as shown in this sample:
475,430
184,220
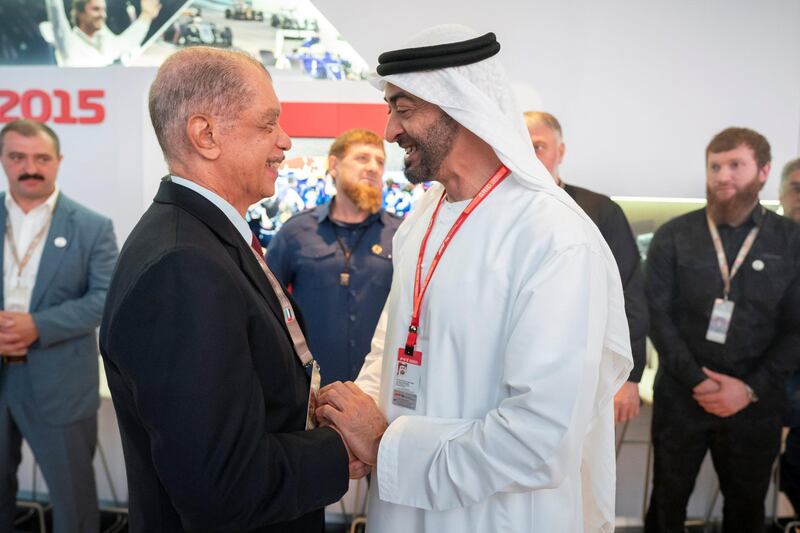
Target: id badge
17,299
313,393
407,379
720,321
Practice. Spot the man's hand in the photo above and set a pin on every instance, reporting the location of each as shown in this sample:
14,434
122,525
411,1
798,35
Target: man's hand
626,402
17,332
354,414
356,469
730,398
704,387
150,9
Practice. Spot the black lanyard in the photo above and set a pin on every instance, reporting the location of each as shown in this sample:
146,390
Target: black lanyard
344,276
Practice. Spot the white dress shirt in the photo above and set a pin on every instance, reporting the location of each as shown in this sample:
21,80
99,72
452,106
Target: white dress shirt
18,287
227,209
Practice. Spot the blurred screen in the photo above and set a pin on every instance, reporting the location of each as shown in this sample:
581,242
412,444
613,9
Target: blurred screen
291,37
46,32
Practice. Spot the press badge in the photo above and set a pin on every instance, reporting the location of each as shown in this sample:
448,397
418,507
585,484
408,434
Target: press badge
720,321
407,379
313,393
16,299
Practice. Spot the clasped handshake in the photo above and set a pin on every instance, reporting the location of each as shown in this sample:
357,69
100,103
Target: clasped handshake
356,417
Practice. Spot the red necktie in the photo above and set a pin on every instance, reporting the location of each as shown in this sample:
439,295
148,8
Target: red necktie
256,245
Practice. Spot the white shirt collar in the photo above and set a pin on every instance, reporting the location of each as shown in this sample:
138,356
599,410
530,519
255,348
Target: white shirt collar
49,204
227,209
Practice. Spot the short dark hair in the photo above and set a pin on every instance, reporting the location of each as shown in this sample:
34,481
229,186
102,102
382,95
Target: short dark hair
78,6
29,128
732,138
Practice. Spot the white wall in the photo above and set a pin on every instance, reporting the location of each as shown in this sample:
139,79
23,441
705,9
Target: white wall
639,87
102,162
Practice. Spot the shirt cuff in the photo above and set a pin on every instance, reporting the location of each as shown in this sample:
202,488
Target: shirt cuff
388,460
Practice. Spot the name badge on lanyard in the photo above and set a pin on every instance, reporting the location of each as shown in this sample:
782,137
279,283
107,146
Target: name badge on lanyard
408,371
407,379
720,321
722,312
313,394
17,298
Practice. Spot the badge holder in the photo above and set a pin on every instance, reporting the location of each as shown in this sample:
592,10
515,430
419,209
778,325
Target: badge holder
408,374
720,321
313,395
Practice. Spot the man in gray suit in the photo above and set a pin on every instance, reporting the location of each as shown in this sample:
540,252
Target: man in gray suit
57,259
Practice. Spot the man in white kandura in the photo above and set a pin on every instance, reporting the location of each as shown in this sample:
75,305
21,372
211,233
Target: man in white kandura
504,337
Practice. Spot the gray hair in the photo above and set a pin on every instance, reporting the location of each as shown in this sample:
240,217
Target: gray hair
539,118
197,80
790,168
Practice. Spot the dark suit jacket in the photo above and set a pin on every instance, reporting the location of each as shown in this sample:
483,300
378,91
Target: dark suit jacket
616,231
210,396
66,305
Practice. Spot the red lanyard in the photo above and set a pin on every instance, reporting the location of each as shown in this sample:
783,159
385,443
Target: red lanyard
421,288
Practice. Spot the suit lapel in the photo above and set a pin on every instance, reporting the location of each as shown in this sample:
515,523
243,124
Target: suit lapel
218,223
253,271
61,230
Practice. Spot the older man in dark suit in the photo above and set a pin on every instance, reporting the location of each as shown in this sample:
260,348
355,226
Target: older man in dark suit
57,261
205,358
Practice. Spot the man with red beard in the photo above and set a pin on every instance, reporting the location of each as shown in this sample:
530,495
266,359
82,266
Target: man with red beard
724,296
337,258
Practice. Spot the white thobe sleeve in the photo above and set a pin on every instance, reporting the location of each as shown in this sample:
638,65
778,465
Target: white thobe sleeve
369,379
535,435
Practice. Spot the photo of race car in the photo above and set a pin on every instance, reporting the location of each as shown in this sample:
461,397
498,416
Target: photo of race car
190,29
243,10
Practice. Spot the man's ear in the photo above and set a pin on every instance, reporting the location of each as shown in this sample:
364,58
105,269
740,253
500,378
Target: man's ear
333,161
562,148
763,173
203,134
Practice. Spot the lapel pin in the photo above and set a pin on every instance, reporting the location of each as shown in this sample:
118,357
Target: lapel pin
377,249
758,265
60,242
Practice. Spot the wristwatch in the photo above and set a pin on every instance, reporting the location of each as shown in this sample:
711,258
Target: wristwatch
751,394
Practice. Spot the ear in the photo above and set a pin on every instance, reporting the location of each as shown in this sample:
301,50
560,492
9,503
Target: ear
561,149
203,135
333,161
763,173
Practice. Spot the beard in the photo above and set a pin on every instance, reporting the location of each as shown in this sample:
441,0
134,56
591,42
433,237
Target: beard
433,149
733,210
365,196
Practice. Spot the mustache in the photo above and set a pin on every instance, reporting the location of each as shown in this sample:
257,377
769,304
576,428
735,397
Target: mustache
405,140
26,177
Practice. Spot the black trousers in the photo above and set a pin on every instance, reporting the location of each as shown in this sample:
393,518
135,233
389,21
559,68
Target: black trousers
743,449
